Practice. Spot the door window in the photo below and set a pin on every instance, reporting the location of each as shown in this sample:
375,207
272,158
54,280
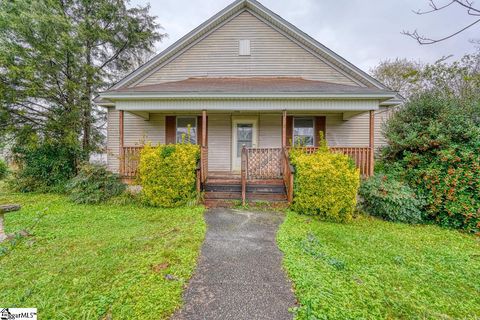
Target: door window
244,136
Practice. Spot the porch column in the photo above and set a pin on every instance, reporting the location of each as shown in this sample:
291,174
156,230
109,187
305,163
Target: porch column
284,129
204,128
371,143
121,144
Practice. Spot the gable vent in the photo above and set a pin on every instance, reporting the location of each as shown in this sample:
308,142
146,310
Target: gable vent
244,47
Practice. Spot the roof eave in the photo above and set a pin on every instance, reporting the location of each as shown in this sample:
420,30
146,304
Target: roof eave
119,96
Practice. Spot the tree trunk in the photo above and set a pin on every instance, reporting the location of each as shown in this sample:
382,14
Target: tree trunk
87,108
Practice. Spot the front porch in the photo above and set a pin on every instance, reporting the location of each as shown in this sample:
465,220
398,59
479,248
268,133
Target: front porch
227,171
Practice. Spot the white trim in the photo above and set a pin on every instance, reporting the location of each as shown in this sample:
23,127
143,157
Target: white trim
236,163
186,117
248,105
162,96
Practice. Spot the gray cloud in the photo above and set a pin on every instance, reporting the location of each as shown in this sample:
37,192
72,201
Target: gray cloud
363,32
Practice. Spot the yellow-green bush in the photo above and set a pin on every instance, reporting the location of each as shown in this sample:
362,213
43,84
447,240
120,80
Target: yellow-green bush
167,174
326,184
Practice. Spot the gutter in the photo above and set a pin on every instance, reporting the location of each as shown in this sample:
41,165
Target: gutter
120,96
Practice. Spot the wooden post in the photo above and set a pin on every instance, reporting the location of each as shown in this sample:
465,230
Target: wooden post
204,128
284,129
243,174
371,143
121,138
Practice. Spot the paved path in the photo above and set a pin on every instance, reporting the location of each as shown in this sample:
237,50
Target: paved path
239,274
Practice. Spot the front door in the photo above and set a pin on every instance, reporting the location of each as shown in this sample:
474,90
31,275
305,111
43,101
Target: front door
244,133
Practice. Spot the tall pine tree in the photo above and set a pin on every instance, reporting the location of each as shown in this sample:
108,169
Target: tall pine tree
56,54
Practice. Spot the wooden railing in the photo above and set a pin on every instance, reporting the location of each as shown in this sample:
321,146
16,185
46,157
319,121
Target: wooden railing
243,173
288,174
361,156
203,164
131,158
264,163
257,163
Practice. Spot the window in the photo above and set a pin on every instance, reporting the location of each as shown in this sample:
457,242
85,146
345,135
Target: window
303,132
187,130
244,47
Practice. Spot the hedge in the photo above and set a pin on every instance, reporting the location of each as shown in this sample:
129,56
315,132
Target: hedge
325,184
167,174
94,184
388,198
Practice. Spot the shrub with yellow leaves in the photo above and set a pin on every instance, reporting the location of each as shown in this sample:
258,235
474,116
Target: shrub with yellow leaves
326,184
167,174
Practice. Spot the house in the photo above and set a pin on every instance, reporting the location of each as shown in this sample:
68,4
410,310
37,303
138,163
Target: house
246,78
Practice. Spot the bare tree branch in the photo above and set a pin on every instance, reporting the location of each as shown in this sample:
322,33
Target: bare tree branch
466,4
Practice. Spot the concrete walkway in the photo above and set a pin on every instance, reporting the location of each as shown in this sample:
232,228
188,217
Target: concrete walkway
239,274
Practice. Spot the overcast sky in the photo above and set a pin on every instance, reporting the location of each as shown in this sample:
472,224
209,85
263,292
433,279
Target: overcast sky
362,31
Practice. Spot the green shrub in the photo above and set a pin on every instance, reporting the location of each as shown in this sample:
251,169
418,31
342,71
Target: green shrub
94,184
434,145
44,167
167,174
385,197
3,169
326,184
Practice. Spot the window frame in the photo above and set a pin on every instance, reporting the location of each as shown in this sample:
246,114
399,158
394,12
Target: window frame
196,127
313,127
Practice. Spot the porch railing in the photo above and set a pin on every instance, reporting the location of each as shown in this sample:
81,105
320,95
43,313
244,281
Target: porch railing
130,161
288,174
264,163
361,156
257,163
131,158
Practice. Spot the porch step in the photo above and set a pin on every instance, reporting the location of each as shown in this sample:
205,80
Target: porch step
254,188
234,180
272,205
249,196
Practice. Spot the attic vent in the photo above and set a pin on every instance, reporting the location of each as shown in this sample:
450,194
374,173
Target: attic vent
244,47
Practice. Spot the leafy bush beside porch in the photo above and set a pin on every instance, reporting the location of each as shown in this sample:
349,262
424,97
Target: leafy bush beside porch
167,174
326,184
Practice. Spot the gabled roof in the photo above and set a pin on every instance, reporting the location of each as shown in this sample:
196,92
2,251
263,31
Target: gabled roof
264,13
249,85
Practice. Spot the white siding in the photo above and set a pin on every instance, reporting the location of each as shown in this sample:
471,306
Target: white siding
350,133
219,142
272,54
139,131
113,140
381,116
270,131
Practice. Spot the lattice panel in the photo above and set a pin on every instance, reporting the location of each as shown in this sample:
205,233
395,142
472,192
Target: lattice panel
264,163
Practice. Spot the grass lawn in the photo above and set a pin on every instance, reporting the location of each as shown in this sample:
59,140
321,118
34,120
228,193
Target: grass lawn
97,262
371,269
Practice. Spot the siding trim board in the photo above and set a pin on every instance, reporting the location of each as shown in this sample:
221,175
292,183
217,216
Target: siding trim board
247,105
